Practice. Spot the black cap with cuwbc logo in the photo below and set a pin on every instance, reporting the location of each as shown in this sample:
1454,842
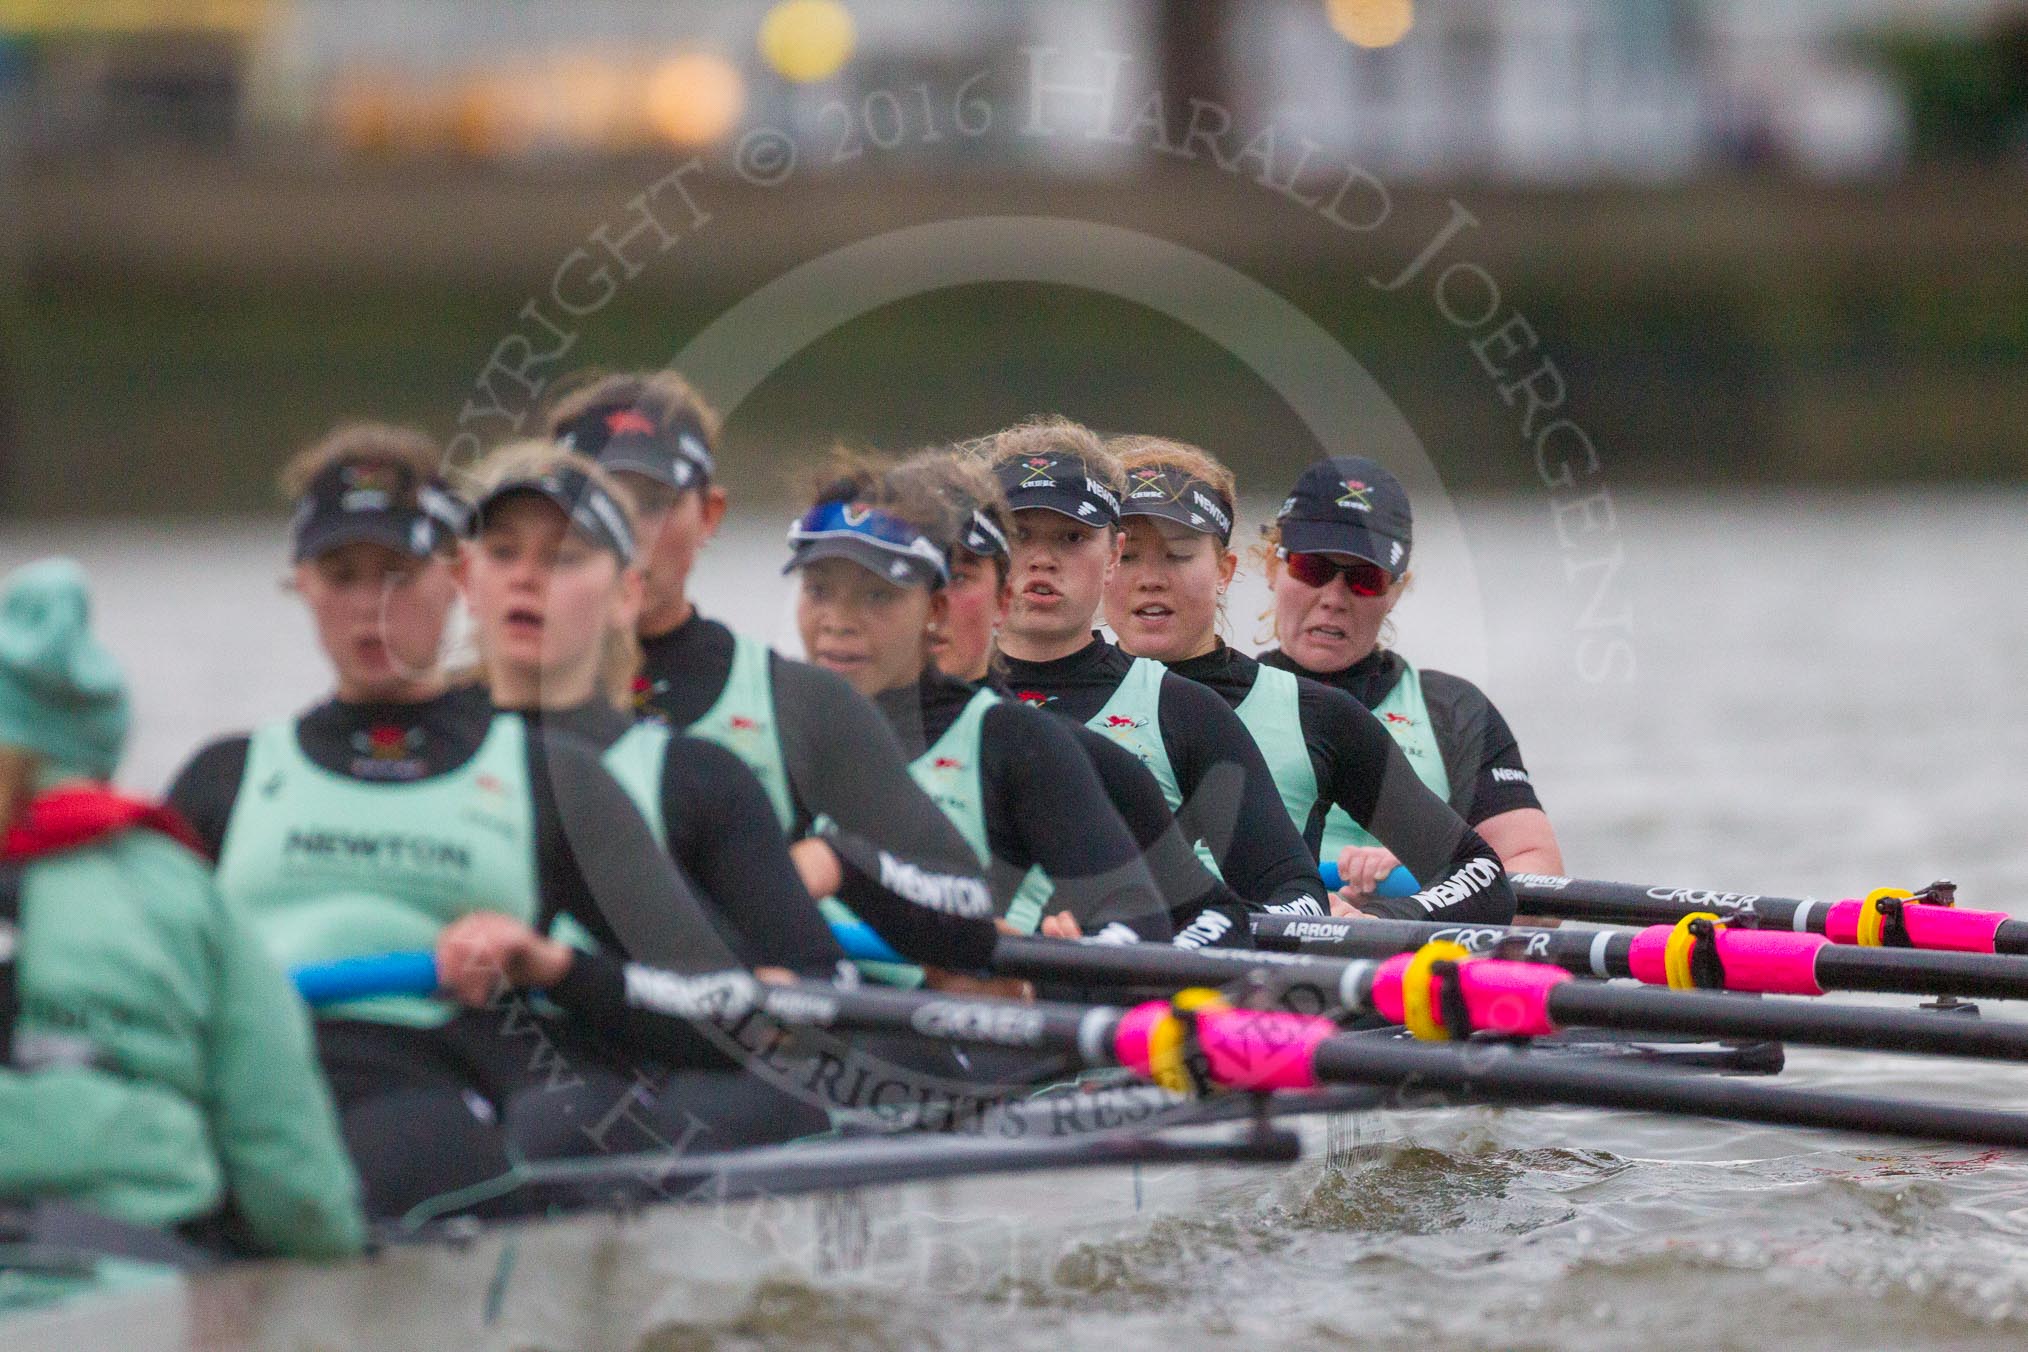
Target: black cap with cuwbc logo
1349,505
382,502
623,437
1058,482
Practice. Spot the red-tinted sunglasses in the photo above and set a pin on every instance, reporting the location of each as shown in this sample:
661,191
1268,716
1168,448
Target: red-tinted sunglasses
1317,570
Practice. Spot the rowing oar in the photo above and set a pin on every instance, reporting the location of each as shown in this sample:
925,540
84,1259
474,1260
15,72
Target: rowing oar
1199,1043
1435,993
1699,951
1886,917
1440,989
1196,1042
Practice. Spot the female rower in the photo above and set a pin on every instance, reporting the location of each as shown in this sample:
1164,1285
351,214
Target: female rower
1337,559
1324,749
819,749
1063,487
872,556
552,588
1202,909
369,822
155,1067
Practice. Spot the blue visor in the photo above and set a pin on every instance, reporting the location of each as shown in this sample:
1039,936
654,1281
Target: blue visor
884,545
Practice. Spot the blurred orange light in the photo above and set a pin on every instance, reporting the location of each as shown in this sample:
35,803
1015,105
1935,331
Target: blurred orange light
1371,23
695,98
595,99
807,40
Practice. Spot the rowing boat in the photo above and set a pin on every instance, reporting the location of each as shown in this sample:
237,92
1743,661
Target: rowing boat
640,1245
690,1242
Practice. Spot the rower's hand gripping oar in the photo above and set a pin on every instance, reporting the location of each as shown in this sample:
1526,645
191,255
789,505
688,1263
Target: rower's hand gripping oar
1887,917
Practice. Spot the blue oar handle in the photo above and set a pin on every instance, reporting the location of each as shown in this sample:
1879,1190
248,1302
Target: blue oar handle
861,944
1400,883
330,983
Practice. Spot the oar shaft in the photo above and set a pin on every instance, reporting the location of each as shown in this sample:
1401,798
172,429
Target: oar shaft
1502,1075
1256,1050
1647,1010
1158,967
1914,971
1528,999
1595,901
1085,1031
1375,938
1607,903
1771,961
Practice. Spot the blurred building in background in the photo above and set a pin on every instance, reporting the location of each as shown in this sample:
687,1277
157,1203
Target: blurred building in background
1762,240
1518,90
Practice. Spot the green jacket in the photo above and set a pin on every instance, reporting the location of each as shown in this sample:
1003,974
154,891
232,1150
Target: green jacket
163,1062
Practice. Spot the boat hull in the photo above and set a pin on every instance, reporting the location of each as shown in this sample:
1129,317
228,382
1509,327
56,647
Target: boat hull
609,1279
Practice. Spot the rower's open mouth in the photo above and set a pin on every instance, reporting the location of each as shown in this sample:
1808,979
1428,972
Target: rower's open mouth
1153,612
524,618
1327,631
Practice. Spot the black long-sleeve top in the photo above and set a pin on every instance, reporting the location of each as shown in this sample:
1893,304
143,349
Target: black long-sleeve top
1044,805
1202,909
1359,767
1481,757
1229,798
844,765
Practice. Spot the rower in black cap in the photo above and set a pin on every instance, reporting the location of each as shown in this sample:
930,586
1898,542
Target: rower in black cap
1065,489
962,642
821,751
1337,559
1326,752
367,823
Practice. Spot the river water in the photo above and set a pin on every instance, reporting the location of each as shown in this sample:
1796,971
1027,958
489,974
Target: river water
1817,695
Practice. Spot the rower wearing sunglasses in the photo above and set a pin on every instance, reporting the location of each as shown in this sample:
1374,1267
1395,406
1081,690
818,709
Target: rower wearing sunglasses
1337,559
1327,754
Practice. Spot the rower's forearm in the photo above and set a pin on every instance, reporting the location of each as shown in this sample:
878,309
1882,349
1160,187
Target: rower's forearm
938,919
629,1004
1475,891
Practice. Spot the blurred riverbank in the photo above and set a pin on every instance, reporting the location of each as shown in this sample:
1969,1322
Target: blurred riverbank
173,329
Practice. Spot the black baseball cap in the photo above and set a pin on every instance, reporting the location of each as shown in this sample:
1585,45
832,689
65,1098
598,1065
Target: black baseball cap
1168,493
378,500
982,535
1058,482
1349,505
592,511
674,450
